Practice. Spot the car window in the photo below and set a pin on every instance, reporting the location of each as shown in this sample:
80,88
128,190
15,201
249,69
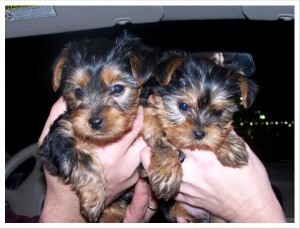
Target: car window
268,126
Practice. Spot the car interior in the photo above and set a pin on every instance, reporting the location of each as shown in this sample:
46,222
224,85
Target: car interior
34,36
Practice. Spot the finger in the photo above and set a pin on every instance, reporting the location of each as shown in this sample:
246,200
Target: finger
179,197
185,198
137,146
153,204
57,109
44,132
146,158
129,137
133,153
137,209
181,219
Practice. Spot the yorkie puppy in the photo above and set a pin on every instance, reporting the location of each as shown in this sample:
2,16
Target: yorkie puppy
101,82
194,103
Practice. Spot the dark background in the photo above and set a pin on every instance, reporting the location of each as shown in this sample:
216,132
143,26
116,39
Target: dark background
29,95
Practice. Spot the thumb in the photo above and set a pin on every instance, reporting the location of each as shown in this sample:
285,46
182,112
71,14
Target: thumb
146,158
57,109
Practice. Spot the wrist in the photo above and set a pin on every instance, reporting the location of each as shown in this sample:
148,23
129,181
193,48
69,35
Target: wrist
63,211
61,203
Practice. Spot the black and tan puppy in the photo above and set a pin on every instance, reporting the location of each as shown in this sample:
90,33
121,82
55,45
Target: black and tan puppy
101,82
194,103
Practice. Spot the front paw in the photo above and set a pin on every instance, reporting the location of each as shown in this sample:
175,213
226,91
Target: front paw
233,152
165,176
91,209
113,214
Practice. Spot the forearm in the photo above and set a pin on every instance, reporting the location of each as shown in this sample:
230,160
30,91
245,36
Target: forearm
61,209
61,202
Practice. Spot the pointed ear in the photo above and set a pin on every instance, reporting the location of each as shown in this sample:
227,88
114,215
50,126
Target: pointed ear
140,57
57,71
142,67
166,70
249,90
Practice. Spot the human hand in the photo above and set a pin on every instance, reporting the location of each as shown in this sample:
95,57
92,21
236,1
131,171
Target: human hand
120,176
138,210
57,193
233,194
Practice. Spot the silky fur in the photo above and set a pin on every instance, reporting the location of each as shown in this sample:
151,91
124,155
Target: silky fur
89,75
212,94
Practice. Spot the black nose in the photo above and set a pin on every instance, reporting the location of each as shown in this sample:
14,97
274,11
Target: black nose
198,134
96,123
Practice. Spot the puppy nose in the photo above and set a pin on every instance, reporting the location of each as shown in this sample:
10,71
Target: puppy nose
96,123
198,134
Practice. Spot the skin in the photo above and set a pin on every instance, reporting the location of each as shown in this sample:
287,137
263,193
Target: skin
233,194
120,176
257,203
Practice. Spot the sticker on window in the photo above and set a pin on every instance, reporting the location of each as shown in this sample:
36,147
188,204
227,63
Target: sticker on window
17,13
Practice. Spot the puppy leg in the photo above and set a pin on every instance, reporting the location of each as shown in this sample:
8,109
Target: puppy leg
174,209
233,151
73,162
90,188
165,170
165,173
114,213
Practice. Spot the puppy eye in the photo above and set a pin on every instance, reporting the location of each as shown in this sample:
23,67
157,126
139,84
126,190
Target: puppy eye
79,93
183,106
118,88
218,113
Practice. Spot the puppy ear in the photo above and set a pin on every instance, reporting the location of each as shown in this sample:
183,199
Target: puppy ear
142,67
57,71
166,69
136,68
141,58
249,90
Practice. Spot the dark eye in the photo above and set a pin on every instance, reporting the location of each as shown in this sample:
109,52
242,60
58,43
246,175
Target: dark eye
183,106
79,93
118,88
218,113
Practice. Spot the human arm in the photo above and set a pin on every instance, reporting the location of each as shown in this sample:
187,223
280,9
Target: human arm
233,194
61,202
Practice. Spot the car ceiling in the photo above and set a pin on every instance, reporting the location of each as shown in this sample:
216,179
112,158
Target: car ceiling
77,18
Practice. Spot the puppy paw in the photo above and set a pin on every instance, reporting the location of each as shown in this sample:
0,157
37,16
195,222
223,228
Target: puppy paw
113,214
233,152
91,202
92,210
165,176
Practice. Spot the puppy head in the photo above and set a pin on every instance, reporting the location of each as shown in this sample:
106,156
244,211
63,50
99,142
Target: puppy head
197,98
101,83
